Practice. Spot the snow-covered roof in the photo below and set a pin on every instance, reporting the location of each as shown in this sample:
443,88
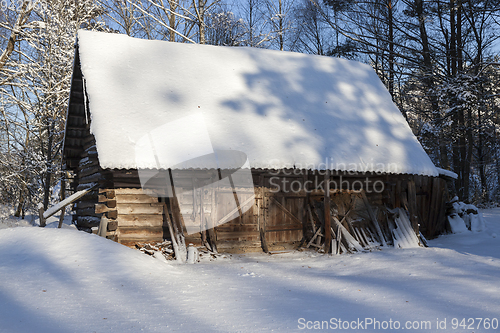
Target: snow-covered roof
447,173
281,109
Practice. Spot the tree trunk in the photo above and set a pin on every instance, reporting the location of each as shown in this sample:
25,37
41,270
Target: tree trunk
21,19
391,48
48,174
201,20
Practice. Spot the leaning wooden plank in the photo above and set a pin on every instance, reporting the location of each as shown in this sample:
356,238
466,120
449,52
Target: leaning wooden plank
317,234
166,218
311,218
177,223
373,218
339,240
423,240
369,243
358,237
54,209
353,243
399,239
335,241
404,224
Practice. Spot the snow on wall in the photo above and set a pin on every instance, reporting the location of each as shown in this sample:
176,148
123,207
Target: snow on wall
281,109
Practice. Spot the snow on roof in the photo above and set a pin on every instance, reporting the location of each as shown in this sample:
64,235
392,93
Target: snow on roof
281,109
447,173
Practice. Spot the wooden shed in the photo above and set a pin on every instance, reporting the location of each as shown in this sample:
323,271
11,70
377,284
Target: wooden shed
144,115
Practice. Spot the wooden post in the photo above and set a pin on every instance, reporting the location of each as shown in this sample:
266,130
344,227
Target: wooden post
262,223
40,215
166,218
103,227
177,223
63,196
328,235
212,239
412,205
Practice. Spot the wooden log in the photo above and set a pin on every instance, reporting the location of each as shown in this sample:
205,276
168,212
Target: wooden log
140,220
132,209
112,214
90,170
88,221
140,234
87,212
102,208
108,193
128,191
135,198
92,178
82,204
112,225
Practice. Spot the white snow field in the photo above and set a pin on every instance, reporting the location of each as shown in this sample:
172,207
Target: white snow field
62,280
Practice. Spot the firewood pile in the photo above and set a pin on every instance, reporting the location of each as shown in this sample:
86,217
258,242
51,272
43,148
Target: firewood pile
164,250
158,250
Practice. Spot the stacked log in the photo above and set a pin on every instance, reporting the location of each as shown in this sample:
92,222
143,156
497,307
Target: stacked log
89,175
135,216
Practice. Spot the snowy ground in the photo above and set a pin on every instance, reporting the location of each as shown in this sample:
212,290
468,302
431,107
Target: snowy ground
62,280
